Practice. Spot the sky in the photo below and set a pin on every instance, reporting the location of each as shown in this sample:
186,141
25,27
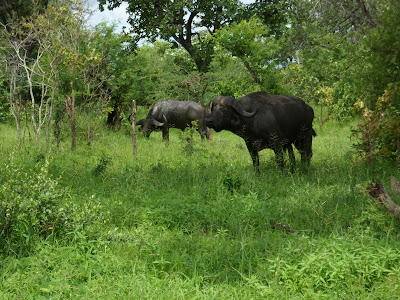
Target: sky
118,15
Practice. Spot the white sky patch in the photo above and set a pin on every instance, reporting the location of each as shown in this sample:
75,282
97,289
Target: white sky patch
117,15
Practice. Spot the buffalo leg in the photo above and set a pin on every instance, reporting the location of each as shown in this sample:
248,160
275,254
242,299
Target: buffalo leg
202,129
165,134
254,156
304,145
291,158
279,158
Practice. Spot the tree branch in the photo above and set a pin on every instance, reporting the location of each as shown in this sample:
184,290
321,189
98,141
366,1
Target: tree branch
365,11
252,73
378,192
189,24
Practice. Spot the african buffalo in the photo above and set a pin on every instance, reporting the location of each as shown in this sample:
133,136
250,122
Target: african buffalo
266,121
174,114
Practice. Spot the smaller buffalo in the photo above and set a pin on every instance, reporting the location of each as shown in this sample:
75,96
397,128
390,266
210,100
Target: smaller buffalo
168,114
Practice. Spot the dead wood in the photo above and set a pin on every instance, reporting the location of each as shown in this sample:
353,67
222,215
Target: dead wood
284,227
378,193
395,185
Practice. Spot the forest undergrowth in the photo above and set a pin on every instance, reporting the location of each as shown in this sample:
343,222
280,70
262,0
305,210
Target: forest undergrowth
191,219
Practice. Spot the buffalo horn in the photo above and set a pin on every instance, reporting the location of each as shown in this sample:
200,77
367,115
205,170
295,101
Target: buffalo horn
239,109
209,106
149,121
156,123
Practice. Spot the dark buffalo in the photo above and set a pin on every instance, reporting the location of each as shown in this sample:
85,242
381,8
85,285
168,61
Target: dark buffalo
266,121
168,114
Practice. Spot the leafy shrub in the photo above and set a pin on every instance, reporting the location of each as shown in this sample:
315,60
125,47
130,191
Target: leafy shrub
101,167
4,110
35,206
379,131
337,265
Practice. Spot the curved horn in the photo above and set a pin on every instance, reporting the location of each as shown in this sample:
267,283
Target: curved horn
155,123
149,121
239,109
141,122
208,108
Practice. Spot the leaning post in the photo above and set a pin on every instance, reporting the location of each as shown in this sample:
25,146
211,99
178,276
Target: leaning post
134,128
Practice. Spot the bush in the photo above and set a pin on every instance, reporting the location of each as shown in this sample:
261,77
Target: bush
379,132
34,206
337,265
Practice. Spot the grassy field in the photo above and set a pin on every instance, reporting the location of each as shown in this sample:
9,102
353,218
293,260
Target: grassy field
192,220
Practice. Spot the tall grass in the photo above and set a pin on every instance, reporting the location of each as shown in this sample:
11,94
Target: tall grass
202,224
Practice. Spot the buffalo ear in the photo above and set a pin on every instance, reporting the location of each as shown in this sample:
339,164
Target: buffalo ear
235,120
140,122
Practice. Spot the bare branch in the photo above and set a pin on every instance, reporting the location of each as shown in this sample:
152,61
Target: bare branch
366,12
378,193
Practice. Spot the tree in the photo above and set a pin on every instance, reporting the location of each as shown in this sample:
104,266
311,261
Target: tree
19,9
37,80
379,87
113,78
192,24
187,23
11,14
324,41
253,44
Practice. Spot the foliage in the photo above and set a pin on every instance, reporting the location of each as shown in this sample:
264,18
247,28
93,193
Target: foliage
20,9
192,24
228,76
337,265
200,225
180,21
379,130
380,65
379,100
35,206
104,162
253,44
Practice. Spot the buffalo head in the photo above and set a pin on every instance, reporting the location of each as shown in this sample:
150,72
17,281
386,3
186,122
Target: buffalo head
225,113
150,125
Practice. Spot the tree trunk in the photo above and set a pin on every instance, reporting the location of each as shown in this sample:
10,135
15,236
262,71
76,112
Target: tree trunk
114,118
134,150
372,146
398,152
59,115
366,12
89,133
320,116
70,108
72,119
253,73
49,121
378,192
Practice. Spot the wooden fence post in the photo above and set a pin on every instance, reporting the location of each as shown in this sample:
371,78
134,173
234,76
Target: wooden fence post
134,128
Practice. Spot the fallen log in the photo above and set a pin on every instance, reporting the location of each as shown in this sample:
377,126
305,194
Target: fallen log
285,228
378,193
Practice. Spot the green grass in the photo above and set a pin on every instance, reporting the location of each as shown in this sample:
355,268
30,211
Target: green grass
195,221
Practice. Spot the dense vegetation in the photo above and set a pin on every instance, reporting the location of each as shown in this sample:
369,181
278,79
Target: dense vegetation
81,217
192,219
